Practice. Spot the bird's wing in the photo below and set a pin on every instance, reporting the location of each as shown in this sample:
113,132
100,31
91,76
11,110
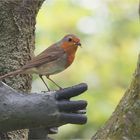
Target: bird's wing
49,55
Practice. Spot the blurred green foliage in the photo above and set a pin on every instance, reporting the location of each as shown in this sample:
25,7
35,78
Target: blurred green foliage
109,33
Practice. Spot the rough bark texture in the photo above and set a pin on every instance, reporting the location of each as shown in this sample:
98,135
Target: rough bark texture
17,38
124,124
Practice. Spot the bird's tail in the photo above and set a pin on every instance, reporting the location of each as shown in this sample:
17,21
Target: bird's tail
19,71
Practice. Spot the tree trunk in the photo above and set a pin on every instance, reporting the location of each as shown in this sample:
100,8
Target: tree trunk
17,39
124,124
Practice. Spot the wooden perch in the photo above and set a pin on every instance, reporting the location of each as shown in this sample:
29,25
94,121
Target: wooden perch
50,109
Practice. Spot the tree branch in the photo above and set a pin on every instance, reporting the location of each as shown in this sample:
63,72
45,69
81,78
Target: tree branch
124,124
50,109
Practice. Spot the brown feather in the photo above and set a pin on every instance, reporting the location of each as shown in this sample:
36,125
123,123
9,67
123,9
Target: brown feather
53,60
11,73
51,54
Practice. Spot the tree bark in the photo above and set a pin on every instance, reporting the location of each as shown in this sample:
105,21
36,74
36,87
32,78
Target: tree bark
17,41
124,124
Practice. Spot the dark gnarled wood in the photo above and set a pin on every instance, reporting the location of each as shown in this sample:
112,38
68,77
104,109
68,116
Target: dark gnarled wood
40,110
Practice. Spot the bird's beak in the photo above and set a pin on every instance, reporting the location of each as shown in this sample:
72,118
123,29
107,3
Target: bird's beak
78,44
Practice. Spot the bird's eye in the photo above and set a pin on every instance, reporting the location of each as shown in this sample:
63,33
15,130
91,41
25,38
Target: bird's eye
69,39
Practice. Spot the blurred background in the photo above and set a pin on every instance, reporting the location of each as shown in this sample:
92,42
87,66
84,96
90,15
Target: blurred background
109,33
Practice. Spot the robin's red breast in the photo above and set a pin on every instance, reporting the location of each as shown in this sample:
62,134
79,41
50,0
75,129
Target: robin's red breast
53,60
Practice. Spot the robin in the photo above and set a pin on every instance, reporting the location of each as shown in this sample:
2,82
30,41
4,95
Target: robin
53,60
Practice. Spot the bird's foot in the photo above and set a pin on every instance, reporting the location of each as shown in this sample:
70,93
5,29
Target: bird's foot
53,130
60,88
44,91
